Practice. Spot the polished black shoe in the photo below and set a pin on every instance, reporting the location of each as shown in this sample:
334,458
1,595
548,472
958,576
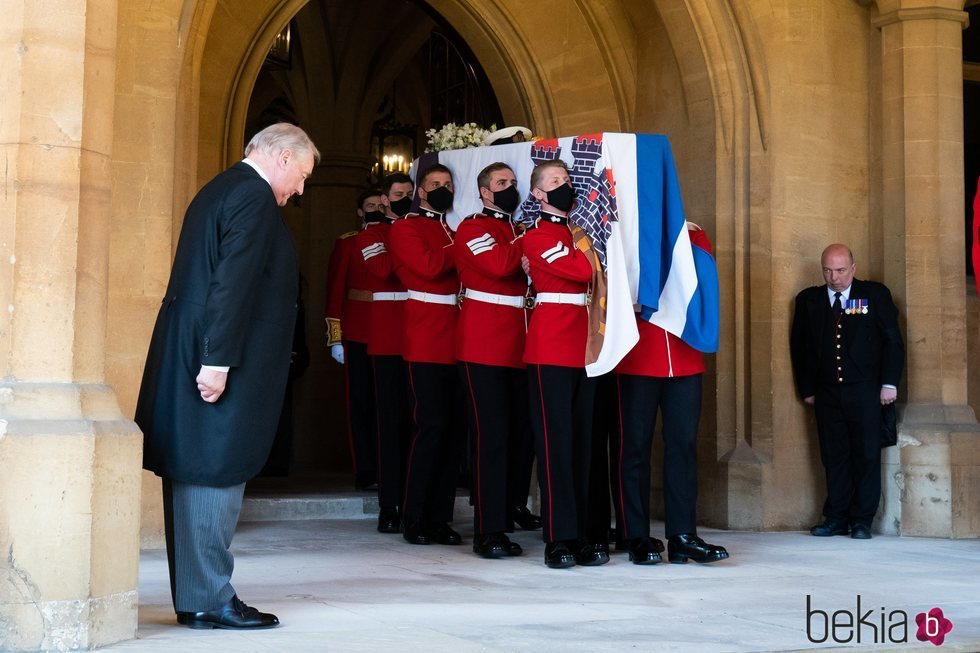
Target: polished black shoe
389,520
521,516
233,615
687,546
860,532
513,548
491,545
829,527
592,555
645,550
558,556
415,535
442,534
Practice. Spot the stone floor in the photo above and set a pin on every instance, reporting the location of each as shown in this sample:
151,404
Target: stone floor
338,585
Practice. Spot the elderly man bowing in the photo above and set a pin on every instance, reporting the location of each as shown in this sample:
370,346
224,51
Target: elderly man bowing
217,367
848,357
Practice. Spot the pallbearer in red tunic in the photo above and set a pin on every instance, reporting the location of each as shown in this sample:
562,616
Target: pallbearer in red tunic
490,347
561,393
347,313
662,373
422,247
385,343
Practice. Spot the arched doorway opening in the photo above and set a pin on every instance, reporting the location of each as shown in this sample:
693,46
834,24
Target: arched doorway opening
689,71
367,93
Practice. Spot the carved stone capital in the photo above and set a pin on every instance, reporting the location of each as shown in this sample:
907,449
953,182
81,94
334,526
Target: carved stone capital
919,13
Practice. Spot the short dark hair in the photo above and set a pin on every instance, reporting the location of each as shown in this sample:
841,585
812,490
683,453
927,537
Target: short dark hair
392,179
539,169
483,179
435,167
368,192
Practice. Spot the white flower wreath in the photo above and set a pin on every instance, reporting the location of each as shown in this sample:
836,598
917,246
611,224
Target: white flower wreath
456,137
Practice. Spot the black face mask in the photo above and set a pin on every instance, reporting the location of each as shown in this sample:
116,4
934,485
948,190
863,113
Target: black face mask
371,217
401,207
440,199
507,199
562,197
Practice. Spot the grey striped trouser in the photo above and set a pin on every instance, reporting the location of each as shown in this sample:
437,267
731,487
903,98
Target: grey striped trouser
200,522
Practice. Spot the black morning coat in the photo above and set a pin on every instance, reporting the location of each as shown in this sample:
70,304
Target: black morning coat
873,341
231,301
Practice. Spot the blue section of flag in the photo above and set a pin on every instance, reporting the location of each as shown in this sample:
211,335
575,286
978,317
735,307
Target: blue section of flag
701,328
661,221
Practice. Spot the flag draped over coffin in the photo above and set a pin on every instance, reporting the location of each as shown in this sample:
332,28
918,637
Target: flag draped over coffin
629,202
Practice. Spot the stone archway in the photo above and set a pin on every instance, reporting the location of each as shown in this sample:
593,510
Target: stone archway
710,82
80,313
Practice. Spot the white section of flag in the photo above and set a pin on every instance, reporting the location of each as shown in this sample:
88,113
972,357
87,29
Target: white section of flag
484,243
622,260
682,282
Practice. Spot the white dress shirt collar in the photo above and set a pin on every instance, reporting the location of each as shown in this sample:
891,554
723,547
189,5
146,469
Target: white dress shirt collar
255,166
844,294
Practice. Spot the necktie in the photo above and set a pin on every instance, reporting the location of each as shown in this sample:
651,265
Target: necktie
838,309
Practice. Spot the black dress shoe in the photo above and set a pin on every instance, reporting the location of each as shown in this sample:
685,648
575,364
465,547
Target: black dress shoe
513,548
829,527
521,516
592,555
389,520
557,555
860,532
415,535
442,534
645,550
233,615
688,546
491,545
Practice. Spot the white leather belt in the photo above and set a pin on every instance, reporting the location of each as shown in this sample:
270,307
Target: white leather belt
517,301
429,298
577,299
390,296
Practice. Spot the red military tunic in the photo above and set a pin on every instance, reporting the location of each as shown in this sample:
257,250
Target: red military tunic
347,298
386,328
422,248
558,332
488,258
662,354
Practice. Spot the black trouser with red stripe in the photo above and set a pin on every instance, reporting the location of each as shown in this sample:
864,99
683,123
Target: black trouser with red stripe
604,469
434,454
561,416
679,401
497,410
361,420
394,428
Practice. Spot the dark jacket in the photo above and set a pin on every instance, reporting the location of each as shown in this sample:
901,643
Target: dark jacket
231,301
873,341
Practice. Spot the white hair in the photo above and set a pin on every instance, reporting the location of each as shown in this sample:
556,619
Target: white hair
282,136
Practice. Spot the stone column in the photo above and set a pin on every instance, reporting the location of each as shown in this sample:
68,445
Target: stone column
69,461
932,482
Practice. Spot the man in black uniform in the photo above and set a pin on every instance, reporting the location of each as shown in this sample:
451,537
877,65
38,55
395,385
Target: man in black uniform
848,357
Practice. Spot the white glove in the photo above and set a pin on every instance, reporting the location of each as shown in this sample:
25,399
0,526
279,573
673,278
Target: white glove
337,352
